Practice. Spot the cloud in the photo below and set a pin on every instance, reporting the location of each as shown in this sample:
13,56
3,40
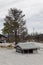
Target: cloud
1,25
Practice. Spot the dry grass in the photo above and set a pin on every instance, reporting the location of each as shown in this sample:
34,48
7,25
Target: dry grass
9,46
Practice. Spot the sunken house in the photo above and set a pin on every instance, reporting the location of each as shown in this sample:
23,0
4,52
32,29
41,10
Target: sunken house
26,47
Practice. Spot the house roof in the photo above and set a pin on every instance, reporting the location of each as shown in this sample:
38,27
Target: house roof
27,45
1,35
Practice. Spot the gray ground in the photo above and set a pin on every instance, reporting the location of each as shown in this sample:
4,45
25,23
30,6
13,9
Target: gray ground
10,57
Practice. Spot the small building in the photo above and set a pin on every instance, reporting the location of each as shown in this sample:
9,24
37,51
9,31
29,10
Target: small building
2,38
26,47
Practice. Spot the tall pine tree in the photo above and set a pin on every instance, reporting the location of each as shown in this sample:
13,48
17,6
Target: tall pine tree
15,25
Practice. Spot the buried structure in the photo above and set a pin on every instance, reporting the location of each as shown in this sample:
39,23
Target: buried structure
26,47
3,38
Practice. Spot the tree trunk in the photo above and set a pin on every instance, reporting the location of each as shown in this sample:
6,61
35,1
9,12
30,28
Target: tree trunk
16,37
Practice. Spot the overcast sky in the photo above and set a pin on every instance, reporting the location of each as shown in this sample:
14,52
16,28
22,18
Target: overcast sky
33,10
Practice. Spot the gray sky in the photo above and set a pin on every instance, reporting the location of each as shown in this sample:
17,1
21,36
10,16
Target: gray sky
33,9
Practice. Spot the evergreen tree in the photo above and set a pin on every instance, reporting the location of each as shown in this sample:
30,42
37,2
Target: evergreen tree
15,24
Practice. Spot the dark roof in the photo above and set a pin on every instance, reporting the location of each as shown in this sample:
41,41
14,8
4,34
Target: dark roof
27,45
1,35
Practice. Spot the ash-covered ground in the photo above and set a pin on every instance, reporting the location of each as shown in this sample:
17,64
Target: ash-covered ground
11,57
